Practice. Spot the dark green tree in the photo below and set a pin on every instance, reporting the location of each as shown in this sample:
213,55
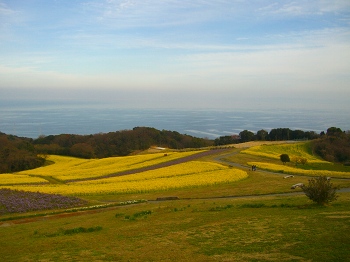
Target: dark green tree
320,190
284,158
279,134
262,135
246,136
334,131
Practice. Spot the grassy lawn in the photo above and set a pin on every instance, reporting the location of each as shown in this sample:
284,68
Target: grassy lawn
251,229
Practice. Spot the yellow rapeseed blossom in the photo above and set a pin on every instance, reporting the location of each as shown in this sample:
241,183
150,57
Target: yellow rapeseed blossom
186,175
69,168
8,179
183,169
293,150
297,171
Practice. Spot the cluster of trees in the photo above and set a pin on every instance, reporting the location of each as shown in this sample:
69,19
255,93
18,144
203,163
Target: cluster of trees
17,154
120,143
333,146
276,134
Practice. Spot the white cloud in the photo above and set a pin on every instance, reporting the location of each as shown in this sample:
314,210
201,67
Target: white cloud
152,13
8,17
5,10
300,7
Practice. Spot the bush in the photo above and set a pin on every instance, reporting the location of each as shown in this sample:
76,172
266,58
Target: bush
299,160
138,215
320,190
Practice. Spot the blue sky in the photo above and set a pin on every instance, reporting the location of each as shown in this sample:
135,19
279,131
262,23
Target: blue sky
171,53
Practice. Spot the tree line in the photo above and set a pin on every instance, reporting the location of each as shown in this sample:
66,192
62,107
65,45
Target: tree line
276,134
332,145
18,153
120,143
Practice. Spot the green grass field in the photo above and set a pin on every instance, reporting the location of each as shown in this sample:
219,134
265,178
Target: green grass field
239,220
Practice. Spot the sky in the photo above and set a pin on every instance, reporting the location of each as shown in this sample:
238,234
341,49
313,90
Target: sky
172,53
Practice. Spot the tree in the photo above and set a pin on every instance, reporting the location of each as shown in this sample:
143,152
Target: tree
320,190
334,131
82,150
284,158
262,135
280,134
246,136
226,140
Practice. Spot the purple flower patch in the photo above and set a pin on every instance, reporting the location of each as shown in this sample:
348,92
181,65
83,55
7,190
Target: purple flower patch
14,201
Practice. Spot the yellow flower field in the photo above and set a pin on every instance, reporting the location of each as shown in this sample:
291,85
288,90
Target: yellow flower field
189,174
293,150
184,169
68,168
298,171
7,179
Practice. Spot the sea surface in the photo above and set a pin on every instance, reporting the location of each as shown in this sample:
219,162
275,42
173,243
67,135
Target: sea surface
32,119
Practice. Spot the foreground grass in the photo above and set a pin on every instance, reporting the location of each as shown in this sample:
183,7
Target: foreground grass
252,229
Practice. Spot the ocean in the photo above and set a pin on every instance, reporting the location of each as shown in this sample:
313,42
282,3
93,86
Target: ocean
33,119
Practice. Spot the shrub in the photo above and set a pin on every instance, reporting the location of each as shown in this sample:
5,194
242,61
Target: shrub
320,190
72,231
254,205
299,160
138,215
